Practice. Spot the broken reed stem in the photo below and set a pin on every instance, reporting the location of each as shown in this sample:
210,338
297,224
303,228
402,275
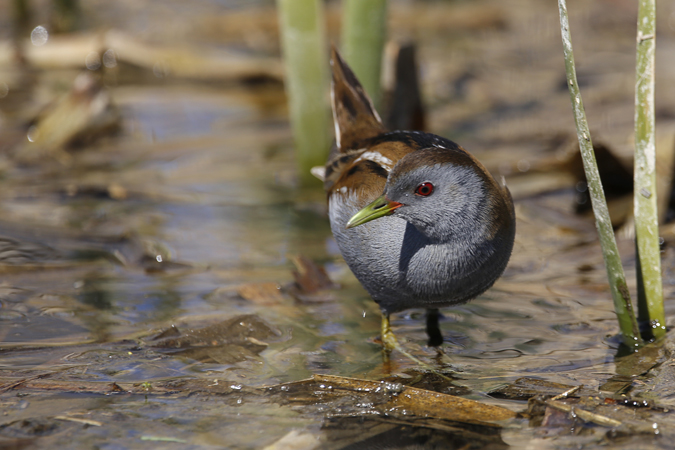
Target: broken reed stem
364,24
584,415
617,280
307,86
650,287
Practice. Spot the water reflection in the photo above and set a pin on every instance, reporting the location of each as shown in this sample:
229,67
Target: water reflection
372,434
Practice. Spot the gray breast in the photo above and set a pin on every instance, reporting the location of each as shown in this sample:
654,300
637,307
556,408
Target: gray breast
400,268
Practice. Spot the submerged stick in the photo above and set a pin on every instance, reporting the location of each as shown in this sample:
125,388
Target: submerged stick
650,287
617,280
305,57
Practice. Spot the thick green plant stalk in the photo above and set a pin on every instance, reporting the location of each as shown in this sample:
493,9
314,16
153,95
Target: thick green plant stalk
650,287
67,15
617,280
22,16
364,24
307,87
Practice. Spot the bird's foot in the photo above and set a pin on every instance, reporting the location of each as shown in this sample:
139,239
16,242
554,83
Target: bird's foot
390,343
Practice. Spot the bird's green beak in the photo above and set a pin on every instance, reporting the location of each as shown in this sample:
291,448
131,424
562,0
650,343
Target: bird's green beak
379,208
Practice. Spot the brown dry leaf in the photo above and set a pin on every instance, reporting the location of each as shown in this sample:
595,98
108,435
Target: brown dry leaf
554,418
310,278
236,339
236,330
261,293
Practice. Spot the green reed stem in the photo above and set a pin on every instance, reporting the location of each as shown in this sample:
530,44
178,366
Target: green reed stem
307,86
617,280
364,24
650,287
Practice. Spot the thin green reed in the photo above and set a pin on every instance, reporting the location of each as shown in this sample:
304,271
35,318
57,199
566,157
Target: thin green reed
650,287
617,280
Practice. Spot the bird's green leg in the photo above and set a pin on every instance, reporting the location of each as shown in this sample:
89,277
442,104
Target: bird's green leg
389,341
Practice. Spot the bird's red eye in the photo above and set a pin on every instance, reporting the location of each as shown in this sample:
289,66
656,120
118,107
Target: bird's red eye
424,189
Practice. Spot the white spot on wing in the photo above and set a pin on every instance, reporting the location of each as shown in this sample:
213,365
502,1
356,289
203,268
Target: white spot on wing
377,158
335,121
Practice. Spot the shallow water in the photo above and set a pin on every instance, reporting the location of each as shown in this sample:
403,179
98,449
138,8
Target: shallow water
190,216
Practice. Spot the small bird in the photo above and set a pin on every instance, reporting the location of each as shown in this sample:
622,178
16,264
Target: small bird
418,219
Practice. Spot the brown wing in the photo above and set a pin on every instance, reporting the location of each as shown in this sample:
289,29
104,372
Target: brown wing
361,159
354,115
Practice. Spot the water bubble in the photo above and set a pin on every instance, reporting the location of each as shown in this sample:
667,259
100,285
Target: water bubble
92,61
236,386
39,36
110,58
31,135
523,165
158,258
